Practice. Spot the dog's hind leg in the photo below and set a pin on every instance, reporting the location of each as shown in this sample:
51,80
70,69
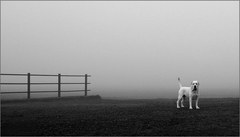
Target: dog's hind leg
183,98
179,98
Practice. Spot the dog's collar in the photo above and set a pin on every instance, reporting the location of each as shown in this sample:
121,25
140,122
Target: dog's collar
194,91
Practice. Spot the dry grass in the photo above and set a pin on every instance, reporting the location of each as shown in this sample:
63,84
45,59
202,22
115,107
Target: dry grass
77,116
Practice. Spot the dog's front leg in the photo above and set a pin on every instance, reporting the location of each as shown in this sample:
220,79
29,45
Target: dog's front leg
197,103
190,102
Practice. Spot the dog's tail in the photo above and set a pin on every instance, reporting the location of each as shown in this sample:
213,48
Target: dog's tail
180,85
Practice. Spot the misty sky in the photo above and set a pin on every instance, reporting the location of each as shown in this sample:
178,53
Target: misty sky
134,49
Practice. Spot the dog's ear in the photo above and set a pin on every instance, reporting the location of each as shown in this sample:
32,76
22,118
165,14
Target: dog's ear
191,85
191,88
198,83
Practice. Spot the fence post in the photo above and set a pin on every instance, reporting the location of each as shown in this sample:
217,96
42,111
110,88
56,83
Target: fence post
59,85
85,84
28,85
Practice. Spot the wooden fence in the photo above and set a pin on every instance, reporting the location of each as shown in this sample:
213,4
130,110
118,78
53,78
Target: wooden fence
59,83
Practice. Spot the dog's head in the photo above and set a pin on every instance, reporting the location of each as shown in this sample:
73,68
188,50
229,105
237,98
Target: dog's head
195,85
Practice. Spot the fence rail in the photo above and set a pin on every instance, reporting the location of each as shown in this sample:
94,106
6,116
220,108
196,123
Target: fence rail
58,83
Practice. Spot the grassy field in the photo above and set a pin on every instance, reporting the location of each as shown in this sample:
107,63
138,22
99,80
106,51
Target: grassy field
78,116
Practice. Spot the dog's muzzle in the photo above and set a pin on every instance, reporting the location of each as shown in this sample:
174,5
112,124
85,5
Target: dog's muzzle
194,87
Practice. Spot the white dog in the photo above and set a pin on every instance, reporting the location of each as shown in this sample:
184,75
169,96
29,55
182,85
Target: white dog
191,92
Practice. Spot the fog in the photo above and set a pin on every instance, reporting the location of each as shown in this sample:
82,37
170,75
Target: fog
134,49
